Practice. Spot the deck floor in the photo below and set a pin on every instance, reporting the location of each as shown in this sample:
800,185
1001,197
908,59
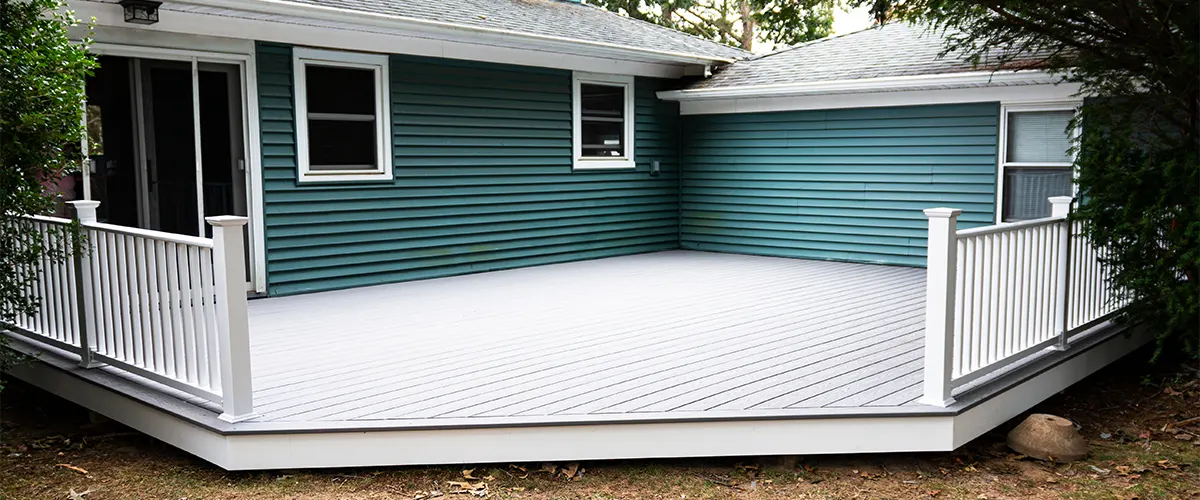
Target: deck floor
658,333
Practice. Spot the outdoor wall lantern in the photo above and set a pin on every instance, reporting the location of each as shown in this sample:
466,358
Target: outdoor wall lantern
141,11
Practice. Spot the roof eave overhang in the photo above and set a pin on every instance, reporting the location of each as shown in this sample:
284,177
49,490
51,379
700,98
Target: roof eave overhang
451,30
942,81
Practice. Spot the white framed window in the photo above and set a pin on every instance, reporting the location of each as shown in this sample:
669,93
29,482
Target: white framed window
603,119
1036,161
342,116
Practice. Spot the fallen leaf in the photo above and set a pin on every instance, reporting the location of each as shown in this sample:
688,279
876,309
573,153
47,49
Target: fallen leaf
72,467
467,474
1123,470
1166,464
1183,436
570,469
933,493
72,495
1170,391
550,468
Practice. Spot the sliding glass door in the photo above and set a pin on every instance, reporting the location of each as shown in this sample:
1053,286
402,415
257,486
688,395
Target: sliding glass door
167,142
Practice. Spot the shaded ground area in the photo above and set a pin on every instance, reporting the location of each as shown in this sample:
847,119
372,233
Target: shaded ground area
1130,414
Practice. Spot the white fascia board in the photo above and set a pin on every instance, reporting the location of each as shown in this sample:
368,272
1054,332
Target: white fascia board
451,30
109,20
1009,93
865,85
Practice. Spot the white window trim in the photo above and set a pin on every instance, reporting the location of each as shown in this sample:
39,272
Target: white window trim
626,161
1002,153
383,143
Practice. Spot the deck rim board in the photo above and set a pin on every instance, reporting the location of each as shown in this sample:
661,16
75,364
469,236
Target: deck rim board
681,338
501,342
704,350
835,267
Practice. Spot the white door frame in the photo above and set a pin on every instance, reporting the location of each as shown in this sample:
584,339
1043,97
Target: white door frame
252,146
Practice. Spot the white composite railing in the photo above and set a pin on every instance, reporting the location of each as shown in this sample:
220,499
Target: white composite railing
167,307
998,295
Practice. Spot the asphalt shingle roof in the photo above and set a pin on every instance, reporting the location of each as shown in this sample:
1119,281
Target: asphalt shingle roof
895,49
558,18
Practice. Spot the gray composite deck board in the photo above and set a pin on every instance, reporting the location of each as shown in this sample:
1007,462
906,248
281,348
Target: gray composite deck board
654,333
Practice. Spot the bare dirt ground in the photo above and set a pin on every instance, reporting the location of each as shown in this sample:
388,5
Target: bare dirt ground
1129,413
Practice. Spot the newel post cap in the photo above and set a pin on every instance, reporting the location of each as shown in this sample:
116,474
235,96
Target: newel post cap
227,220
942,212
1061,200
92,204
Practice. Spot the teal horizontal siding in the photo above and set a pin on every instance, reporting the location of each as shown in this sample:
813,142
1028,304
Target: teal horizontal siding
846,184
482,181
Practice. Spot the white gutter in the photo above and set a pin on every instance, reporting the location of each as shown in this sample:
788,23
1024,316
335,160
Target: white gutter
327,13
867,85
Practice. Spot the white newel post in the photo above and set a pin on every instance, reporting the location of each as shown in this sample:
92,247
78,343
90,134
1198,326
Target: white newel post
1060,206
233,320
84,212
941,271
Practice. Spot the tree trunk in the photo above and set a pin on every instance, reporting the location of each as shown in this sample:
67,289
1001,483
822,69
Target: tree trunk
747,25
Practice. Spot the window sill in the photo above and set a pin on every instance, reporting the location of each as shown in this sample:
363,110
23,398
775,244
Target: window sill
312,178
604,164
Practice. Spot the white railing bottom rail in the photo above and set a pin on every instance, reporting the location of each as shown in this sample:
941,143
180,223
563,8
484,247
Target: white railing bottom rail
997,295
170,308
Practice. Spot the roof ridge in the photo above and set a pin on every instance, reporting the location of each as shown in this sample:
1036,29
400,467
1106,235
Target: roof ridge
814,42
656,25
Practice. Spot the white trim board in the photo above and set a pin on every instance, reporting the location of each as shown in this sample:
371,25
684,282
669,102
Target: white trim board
1044,92
532,443
303,32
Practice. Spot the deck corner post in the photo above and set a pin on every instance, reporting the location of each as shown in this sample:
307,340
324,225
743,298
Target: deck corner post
84,211
1060,206
233,319
941,273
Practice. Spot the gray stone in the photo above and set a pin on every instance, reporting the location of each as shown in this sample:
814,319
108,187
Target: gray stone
1048,437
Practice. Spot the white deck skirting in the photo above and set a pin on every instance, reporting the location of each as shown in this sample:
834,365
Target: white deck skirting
656,355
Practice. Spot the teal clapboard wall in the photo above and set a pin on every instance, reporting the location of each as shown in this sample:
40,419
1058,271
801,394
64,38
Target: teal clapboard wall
483,181
845,184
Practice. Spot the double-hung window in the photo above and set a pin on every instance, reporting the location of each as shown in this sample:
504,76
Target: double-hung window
603,121
1035,159
342,111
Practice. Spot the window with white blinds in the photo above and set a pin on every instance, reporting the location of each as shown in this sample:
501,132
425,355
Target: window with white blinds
1036,160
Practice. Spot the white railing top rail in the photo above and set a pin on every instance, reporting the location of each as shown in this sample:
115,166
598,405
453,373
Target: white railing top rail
1009,226
48,219
151,234
182,239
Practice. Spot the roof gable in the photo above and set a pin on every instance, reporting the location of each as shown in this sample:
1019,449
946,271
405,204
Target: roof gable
553,18
892,50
